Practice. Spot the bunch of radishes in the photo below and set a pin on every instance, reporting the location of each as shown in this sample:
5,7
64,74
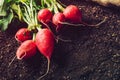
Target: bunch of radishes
42,38
44,42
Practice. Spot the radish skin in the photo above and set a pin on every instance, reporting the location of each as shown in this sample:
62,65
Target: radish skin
72,14
44,16
45,42
23,34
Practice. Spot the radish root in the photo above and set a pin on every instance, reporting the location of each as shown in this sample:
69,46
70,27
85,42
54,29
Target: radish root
85,24
11,61
95,25
48,67
66,23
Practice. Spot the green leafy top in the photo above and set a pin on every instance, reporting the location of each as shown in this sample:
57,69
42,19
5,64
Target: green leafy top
25,10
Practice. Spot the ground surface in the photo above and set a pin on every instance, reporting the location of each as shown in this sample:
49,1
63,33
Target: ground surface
93,54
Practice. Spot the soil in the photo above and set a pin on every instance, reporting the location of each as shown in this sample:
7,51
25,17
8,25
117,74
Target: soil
92,54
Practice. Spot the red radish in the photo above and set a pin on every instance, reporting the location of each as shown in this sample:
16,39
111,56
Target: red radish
26,50
45,44
23,34
58,19
72,14
44,15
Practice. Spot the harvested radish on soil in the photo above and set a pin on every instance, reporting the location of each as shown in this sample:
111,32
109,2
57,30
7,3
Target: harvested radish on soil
23,34
45,44
26,50
73,14
42,18
58,19
44,15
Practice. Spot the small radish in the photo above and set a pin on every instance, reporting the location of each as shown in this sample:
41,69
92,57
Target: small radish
58,19
45,44
23,34
44,16
73,14
26,50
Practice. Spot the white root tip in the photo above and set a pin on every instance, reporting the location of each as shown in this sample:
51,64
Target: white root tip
48,66
11,61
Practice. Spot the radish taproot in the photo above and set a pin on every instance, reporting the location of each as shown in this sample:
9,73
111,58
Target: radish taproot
26,50
45,44
58,19
23,34
44,16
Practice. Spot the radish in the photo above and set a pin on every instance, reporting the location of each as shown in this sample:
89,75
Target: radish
26,50
58,19
73,14
44,16
23,34
45,44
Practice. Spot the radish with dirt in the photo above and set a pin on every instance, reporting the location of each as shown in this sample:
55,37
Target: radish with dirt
44,39
45,44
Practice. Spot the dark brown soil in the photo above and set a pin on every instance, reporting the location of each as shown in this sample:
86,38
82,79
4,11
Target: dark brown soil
93,54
